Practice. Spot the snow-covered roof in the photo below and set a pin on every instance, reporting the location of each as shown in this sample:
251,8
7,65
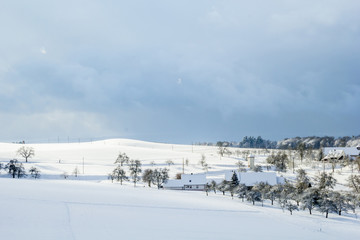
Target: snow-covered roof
252,178
173,183
193,178
347,150
187,179
335,153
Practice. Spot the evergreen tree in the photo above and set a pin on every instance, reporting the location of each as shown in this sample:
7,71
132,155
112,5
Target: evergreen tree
234,179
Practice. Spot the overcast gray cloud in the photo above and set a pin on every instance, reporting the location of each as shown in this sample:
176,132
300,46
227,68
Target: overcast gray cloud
179,71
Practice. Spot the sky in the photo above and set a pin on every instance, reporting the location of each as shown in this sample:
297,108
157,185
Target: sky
179,71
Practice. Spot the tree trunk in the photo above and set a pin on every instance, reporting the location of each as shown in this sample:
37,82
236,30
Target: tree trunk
327,213
310,211
340,212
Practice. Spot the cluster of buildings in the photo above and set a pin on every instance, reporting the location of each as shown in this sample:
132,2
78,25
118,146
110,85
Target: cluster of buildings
197,182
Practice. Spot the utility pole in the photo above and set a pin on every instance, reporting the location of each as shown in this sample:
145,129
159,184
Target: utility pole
183,166
293,164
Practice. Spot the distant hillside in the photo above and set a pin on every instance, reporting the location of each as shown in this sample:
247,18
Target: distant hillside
317,142
310,142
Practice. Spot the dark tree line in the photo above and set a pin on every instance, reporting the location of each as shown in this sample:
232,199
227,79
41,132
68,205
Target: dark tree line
312,142
17,170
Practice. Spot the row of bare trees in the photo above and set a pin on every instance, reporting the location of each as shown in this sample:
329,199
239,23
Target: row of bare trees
303,193
157,176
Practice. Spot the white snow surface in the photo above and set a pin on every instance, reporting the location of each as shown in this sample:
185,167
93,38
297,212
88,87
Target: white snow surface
49,209
53,208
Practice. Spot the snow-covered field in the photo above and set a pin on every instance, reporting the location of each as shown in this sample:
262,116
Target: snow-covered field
91,207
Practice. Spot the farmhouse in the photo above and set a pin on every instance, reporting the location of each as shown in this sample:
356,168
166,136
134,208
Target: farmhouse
193,182
335,154
331,152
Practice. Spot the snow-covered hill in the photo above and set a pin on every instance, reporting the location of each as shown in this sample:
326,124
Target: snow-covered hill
94,208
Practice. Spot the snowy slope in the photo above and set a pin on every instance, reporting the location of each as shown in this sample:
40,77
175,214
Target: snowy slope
98,157
94,208
47,209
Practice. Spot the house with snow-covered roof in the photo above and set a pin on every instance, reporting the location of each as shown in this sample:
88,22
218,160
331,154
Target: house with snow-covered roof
341,152
335,154
191,182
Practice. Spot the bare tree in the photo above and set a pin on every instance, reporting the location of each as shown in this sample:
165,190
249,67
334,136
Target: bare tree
26,152
76,171
169,163
122,158
160,176
34,172
15,168
119,174
148,176
301,150
135,170
203,163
